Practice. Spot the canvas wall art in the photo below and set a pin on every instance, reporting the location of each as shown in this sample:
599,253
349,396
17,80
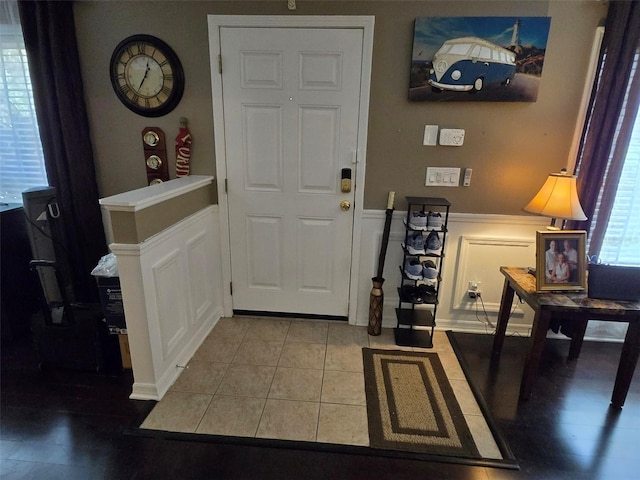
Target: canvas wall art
478,59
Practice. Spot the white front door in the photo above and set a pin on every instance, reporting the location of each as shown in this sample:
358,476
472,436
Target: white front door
291,99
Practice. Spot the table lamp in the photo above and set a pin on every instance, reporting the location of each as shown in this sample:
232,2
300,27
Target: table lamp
558,198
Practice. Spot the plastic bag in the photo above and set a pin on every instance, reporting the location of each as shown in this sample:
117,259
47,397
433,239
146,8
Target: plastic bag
107,267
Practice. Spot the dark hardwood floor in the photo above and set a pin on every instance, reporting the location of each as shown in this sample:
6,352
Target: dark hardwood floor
61,424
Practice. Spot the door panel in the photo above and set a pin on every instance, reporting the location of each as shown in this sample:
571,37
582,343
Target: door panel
264,237
315,274
320,71
291,109
319,133
262,147
261,70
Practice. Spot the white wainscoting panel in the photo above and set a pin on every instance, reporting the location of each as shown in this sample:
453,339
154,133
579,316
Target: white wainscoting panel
172,295
476,246
201,270
476,262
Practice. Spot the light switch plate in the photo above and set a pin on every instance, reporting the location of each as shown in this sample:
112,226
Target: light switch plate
442,177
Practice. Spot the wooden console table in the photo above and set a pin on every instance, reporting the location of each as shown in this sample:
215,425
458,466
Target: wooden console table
567,305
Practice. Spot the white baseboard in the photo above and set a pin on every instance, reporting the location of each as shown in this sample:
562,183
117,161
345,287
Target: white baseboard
144,391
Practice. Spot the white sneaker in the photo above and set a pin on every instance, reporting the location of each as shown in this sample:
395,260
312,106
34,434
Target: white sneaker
418,221
434,221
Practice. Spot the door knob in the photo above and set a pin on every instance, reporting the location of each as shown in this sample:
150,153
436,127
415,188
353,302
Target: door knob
345,205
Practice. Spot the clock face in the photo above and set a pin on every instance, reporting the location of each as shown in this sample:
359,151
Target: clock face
147,75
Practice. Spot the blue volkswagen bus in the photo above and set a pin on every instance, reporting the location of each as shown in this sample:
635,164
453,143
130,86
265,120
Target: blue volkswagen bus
467,64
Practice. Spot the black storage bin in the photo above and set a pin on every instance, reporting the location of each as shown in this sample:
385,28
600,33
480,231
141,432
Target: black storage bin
111,300
81,342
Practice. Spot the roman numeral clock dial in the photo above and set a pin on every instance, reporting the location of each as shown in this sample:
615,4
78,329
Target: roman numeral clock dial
147,75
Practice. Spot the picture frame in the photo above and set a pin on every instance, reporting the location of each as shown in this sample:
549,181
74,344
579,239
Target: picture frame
478,59
561,260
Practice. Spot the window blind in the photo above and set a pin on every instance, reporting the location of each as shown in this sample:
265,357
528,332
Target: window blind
21,157
621,244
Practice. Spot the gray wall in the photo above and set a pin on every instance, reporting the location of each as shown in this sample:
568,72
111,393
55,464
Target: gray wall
510,146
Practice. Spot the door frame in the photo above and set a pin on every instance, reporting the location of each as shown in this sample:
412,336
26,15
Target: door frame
365,23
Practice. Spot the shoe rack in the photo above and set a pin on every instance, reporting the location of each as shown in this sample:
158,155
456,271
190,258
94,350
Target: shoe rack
421,270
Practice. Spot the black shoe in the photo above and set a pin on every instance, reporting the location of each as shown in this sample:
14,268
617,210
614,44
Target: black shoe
411,294
428,293
568,328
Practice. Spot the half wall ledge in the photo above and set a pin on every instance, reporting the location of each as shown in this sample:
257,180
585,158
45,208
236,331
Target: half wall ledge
166,241
135,216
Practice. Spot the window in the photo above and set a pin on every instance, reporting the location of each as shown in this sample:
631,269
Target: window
459,48
621,243
485,52
21,158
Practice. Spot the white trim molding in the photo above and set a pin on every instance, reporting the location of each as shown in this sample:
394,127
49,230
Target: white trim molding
145,197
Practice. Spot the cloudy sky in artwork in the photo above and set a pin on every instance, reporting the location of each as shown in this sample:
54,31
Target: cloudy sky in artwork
431,32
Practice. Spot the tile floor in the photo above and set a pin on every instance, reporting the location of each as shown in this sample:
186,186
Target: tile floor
290,379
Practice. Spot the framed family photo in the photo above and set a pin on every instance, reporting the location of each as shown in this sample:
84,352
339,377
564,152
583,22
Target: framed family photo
561,260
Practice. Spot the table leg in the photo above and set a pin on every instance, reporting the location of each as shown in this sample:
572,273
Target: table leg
578,338
532,362
628,361
503,317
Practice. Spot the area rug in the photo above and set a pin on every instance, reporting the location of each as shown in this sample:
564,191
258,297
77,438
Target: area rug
412,407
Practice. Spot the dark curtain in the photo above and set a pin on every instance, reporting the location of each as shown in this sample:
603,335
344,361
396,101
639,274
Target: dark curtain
614,99
54,66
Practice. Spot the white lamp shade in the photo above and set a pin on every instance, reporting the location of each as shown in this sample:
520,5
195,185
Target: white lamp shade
558,198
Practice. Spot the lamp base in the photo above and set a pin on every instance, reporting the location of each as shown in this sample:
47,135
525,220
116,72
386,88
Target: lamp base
552,226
